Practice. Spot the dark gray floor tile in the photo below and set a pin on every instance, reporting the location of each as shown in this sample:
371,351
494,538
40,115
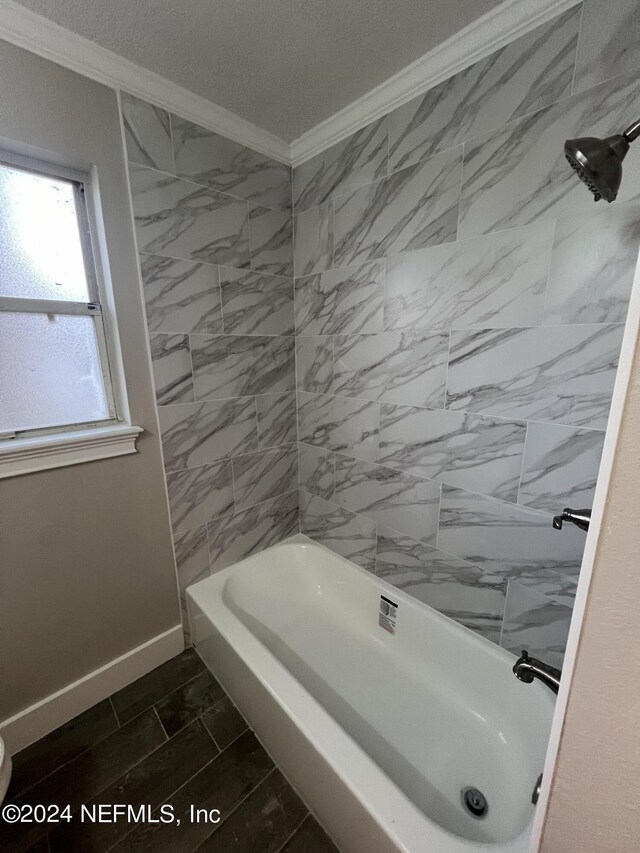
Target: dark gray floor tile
222,784
149,783
262,823
188,702
157,684
310,838
41,846
85,776
224,722
32,764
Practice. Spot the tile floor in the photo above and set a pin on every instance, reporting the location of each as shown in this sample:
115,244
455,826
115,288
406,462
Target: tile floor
173,737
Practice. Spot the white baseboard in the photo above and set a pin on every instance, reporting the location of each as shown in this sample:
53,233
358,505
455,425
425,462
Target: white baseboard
44,716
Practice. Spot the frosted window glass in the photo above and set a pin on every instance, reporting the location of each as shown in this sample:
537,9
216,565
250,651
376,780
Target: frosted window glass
49,371
40,243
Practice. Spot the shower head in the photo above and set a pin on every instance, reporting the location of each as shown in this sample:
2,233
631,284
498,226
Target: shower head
598,162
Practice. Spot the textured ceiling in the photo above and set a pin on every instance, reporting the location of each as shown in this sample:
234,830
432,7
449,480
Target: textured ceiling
283,64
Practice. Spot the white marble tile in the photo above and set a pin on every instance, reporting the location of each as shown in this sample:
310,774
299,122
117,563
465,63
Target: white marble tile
263,475
192,563
609,42
181,220
276,419
519,174
313,240
197,495
316,470
181,296
343,301
337,423
254,303
406,503
215,161
241,365
469,451
415,207
511,541
593,262
147,133
271,241
397,367
234,537
314,364
197,433
531,72
560,467
535,623
348,534
359,159
497,280
455,588
172,375
562,374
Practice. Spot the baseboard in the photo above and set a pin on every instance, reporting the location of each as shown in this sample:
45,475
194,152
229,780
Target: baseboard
44,716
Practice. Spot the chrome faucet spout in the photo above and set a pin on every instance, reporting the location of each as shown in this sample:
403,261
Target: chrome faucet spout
527,669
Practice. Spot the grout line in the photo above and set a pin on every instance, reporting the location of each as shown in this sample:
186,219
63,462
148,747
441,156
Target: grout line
166,734
164,695
237,806
207,187
166,800
75,757
289,837
548,276
524,448
115,713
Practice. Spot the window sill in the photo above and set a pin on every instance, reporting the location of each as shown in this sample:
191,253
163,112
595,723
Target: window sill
27,455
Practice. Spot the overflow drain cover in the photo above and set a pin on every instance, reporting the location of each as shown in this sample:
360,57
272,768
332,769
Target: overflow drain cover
475,802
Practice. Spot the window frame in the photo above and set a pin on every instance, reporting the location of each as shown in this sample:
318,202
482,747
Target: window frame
38,448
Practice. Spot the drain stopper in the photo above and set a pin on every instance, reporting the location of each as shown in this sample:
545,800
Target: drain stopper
475,802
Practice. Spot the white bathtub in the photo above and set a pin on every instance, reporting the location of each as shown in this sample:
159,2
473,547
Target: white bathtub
378,732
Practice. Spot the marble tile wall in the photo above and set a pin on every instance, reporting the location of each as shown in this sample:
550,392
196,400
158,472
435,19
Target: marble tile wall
215,234
459,308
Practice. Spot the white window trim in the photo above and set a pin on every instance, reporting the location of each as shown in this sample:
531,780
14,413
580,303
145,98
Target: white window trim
56,450
40,450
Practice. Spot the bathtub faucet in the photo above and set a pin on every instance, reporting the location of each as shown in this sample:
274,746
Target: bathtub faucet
527,668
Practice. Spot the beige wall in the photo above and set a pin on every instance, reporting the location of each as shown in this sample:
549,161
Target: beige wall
86,567
594,805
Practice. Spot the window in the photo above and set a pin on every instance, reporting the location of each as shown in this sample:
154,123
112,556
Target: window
54,365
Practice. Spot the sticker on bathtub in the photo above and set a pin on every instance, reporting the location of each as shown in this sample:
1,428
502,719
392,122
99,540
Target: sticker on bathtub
387,614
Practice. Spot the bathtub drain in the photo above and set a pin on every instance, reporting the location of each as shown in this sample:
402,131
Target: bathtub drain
475,802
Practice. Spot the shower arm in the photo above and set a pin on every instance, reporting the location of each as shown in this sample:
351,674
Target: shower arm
633,131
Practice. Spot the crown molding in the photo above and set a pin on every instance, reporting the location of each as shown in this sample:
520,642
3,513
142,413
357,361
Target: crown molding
494,30
31,31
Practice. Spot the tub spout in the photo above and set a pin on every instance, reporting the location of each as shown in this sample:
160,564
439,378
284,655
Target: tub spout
527,669
580,517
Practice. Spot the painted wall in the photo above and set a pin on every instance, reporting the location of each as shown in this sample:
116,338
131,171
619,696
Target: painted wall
459,306
214,231
86,568
593,801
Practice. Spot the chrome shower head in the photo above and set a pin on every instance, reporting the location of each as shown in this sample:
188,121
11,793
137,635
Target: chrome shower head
598,162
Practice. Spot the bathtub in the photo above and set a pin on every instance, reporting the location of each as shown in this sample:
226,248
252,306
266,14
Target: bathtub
377,709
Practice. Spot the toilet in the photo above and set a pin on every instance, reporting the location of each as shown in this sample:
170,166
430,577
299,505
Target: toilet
5,769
